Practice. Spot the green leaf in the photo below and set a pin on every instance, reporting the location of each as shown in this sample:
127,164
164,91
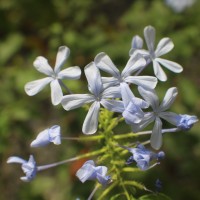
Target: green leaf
158,196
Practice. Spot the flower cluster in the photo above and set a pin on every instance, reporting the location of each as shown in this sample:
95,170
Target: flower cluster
114,93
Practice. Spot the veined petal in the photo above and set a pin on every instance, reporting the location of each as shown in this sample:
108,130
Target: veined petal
111,92
62,55
15,159
73,101
168,99
70,73
156,136
171,117
104,63
149,96
91,121
158,71
33,87
164,46
144,81
149,34
109,82
56,92
94,78
42,139
42,65
172,66
113,105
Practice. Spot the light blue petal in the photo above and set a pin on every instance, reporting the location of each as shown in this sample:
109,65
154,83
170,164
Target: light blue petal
73,101
109,82
186,122
150,97
111,92
104,63
171,117
33,87
56,92
113,105
94,79
90,123
172,66
164,46
62,55
158,71
137,42
42,65
168,99
54,134
15,159
70,73
149,35
156,136
144,81
101,170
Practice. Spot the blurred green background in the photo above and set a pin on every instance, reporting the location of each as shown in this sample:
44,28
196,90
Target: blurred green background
29,28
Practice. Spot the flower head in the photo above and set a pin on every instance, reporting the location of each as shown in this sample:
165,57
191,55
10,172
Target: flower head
90,172
29,167
186,122
54,75
51,134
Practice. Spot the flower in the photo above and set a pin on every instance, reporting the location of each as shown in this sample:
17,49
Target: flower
99,96
51,134
29,167
159,111
152,55
90,172
135,62
143,156
186,122
179,5
54,76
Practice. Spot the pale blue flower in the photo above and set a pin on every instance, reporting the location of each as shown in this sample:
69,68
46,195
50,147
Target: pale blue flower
135,62
90,172
51,134
185,122
143,156
179,5
99,96
54,75
153,54
29,167
159,111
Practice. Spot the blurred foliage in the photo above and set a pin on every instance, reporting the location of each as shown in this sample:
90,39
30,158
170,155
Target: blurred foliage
29,28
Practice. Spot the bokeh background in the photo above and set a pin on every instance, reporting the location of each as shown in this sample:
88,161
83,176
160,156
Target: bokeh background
29,28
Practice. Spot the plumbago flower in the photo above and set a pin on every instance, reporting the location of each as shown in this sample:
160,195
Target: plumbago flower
135,62
51,134
90,172
153,54
143,156
54,75
29,167
99,96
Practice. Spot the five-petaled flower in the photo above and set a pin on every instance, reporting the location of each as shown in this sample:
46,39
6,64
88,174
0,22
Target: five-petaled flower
54,75
152,55
51,134
91,172
29,167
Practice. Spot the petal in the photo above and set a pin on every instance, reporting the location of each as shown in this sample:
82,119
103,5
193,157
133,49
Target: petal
94,78
149,96
101,170
171,117
73,101
62,55
172,66
137,42
103,179
70,73
33,87
109,81
168,99
54,134
164,46
104,63
158,71
91,121
15,159
113,105
149,34
144,81
42,65
156,136
112,92
56,92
